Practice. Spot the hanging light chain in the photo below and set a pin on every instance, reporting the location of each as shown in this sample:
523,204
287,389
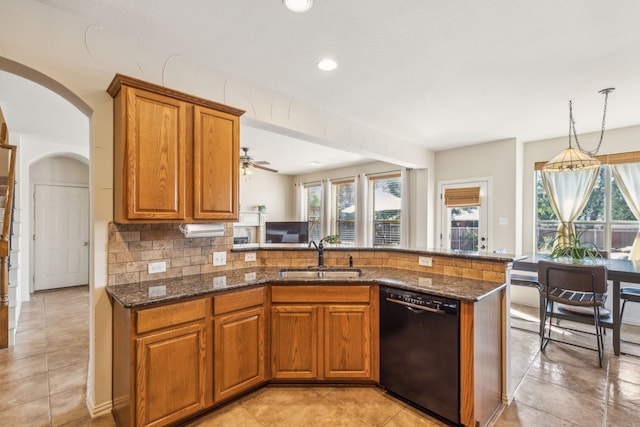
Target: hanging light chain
572,124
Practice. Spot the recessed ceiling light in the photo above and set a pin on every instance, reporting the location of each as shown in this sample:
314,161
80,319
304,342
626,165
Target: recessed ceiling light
327,64
298,5
315,163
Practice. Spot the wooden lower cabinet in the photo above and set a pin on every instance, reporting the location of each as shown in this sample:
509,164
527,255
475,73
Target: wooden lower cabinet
160,363
239,349
324,338
294,342
347,341
171,374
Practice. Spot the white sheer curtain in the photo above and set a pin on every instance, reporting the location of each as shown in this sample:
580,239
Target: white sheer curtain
627,176
568,194
362,221
405,214
325,219
300,202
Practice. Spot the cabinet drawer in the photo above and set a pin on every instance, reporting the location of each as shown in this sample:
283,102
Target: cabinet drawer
238,300
169,315
319,294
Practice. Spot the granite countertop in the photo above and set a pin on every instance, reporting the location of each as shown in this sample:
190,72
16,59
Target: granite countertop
135,295
491,256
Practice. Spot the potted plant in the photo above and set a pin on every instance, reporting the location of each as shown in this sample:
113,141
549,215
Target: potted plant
569,245
332,238
261,208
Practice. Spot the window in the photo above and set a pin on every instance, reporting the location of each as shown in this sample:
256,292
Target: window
464,215
606,220
313,208
384,209
344,213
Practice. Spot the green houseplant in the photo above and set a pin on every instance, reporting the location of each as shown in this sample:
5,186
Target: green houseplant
332,238
570,245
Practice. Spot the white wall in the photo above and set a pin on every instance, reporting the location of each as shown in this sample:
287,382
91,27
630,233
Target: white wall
273,190
497,162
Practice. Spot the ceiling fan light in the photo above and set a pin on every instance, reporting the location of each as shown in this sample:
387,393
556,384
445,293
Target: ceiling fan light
299,6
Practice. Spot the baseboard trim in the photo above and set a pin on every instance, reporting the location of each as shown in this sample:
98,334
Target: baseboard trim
98,410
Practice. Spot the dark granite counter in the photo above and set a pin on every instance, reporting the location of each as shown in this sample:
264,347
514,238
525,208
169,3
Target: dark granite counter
489,256
142,294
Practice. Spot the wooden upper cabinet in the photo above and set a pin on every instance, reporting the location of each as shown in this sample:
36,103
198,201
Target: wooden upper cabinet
176,156
215,164
156,140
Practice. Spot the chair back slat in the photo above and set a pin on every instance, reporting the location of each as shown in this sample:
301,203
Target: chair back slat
577,278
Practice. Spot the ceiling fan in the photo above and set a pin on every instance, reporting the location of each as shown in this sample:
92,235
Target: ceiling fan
247,162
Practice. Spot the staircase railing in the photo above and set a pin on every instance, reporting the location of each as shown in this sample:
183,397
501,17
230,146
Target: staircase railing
5,239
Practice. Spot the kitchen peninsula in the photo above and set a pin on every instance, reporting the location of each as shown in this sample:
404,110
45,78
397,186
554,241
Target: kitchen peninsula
185,345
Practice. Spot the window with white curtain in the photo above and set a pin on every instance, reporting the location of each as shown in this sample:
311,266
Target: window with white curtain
606,220
385,207
344,210
313,208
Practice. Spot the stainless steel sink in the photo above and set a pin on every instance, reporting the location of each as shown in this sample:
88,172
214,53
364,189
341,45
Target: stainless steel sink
320,273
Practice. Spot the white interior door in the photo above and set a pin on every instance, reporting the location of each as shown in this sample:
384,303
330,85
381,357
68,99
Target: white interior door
465,228
61,236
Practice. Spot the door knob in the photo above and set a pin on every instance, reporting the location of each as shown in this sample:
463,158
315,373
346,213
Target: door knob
86,244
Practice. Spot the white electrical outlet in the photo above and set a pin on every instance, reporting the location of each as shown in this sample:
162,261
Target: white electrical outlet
219,282
157,291
424,261
157,267
219,258
250,276
250,256
425,281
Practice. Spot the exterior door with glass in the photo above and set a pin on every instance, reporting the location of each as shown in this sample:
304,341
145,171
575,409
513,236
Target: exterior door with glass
464,216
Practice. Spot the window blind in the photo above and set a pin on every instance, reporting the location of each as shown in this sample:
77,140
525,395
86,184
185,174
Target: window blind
462,197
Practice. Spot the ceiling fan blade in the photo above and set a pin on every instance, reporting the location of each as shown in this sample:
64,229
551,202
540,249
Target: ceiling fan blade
262,162
262,167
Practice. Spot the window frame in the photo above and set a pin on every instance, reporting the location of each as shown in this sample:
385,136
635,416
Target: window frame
336,208
607,224
393,224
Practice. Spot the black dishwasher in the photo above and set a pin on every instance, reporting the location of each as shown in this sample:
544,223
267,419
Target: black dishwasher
420,350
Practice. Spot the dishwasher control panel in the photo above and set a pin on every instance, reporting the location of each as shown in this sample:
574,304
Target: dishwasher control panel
448,305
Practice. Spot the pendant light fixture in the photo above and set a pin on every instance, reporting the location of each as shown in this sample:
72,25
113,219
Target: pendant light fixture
574,159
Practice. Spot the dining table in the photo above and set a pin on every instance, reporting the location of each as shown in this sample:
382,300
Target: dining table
618,271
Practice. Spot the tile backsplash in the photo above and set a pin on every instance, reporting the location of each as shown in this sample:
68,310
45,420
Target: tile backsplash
133,246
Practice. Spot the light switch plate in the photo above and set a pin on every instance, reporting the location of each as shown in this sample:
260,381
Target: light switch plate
249,256
425,261
250,276
219,258
157,267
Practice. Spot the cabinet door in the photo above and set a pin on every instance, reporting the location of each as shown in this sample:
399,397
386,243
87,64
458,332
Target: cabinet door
294,340
215,164
239,352
170,375
155,162
347,341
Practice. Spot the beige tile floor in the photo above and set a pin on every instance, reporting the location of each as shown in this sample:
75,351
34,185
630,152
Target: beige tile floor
43,380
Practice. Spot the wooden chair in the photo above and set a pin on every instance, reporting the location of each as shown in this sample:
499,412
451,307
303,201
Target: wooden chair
575,285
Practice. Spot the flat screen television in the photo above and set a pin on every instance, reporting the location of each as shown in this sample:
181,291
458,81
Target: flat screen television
286,232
